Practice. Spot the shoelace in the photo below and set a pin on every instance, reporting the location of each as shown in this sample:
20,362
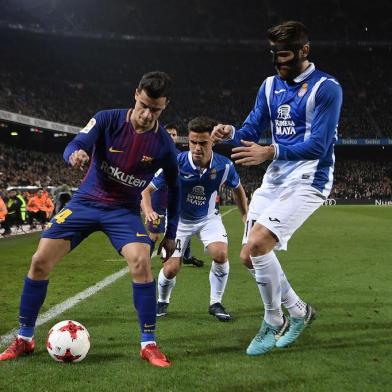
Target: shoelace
263,333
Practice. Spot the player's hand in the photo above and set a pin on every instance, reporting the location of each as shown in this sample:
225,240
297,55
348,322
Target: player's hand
148,212
244,218
221,132
169,246
79,158
252,154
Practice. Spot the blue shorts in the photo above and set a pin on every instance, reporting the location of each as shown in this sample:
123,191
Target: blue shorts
158,225
79,218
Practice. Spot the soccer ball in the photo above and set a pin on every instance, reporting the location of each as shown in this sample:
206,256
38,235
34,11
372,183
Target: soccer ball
68,341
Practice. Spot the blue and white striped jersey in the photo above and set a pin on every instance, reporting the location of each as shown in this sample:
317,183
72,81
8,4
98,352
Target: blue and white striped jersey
199,187
303,117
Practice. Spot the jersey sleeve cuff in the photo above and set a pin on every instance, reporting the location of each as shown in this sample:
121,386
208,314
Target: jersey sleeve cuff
232,133
276,153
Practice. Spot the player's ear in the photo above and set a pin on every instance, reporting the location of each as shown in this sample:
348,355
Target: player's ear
136,94
305,51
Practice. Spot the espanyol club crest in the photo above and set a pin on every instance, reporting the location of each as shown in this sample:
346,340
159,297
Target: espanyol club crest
302,91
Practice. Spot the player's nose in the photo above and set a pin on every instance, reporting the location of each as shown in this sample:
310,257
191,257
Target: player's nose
147,114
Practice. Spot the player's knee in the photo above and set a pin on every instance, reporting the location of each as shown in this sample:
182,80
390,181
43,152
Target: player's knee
140,266
220,256
258,246
171,269
261,241
40,266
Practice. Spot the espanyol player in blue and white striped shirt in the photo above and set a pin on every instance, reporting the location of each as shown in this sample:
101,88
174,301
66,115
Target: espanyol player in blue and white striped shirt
202,173
159,201
302,106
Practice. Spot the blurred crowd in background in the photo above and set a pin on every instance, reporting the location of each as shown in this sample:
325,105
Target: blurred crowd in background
34,185
63,65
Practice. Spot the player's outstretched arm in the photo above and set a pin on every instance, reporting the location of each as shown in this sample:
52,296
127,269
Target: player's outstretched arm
241,201
146,204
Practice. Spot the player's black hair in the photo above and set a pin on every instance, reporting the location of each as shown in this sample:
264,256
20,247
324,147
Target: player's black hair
156,84
290,31
202,124
172,125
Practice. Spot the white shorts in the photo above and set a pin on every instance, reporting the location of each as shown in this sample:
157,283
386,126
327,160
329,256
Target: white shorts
282,210
208,230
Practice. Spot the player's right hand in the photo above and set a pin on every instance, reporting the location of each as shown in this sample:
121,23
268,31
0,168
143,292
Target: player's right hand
221,132
78,158
169,246
149,214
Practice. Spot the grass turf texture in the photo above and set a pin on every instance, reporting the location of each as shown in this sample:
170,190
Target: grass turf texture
339,261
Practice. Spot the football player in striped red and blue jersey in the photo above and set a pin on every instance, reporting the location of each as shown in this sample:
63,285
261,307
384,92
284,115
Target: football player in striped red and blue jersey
125,147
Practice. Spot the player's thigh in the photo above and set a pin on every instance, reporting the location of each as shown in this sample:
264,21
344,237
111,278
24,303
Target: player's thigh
261,200
290,211
76,221
185,231
123,226
48,254
213,231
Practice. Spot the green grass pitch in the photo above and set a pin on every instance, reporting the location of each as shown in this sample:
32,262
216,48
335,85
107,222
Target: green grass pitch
339,261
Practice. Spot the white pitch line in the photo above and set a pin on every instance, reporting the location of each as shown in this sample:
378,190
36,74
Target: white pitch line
67,304
228,212
71,302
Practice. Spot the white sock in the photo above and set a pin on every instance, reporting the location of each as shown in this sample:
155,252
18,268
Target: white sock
144,344
267,269
219,274
165,287
290,300
28,339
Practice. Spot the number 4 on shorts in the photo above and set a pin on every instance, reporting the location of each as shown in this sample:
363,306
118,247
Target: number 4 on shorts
62,215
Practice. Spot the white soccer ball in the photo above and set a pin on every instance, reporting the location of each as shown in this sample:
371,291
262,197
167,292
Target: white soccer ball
68,341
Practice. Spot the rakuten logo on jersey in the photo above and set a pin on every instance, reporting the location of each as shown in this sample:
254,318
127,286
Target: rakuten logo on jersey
116,174
284,125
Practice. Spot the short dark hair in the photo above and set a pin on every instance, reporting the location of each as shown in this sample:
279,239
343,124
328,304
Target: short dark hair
202,124
156,84
290,31
172,125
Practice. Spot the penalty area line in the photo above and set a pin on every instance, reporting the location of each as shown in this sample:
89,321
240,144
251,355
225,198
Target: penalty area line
72,301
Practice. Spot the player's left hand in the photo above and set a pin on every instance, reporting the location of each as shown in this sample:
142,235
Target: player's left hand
169,246
252,153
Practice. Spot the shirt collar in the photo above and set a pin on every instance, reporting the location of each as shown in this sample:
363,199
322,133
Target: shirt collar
301,77
194,167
